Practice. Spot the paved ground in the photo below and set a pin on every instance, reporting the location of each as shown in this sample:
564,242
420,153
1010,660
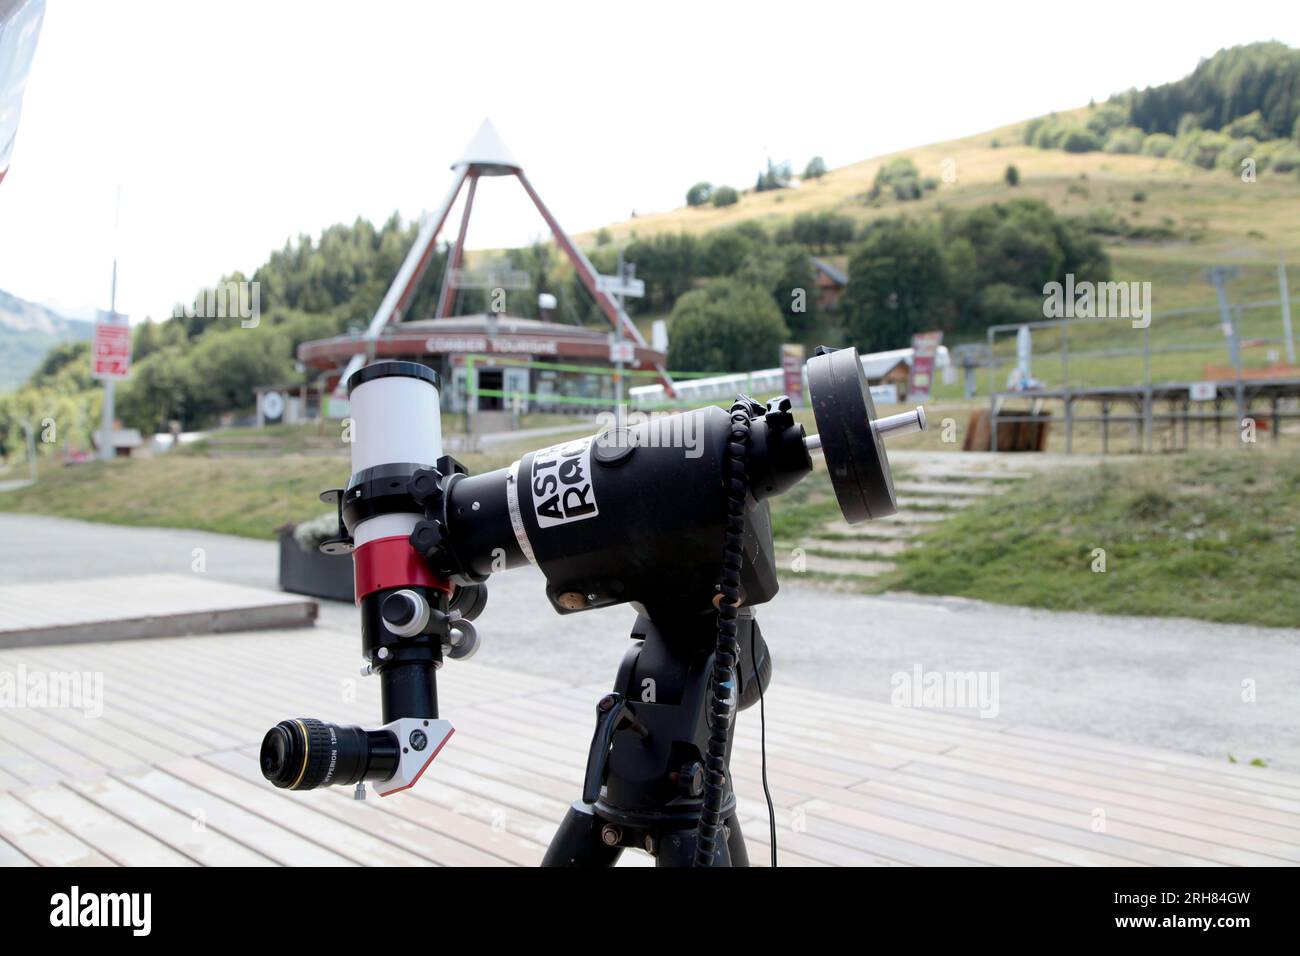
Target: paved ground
1167,683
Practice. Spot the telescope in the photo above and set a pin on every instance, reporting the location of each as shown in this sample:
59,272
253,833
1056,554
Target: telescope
669,515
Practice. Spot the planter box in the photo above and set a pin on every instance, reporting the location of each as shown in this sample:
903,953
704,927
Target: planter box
311,572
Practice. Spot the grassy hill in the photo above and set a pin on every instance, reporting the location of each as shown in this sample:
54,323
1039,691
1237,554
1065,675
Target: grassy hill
1172,220
1216,218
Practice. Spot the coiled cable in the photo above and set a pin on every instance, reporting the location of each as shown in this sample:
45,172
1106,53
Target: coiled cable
725,657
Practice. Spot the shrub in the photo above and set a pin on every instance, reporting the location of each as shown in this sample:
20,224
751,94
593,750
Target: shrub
1126,141
725,196
1079,139
1157,144
727,326
1106,119
1199,147
699,194
815,169
1236,152
901,177
1251,125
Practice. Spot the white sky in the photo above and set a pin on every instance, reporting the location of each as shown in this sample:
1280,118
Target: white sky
233,125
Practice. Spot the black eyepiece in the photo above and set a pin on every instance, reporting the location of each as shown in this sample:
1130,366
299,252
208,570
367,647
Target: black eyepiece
305,753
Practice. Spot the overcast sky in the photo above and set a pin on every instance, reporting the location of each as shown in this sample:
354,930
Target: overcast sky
232,126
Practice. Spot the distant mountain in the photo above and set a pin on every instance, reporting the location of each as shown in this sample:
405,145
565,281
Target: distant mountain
27,332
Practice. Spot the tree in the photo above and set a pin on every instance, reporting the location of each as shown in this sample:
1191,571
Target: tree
1258,78
776,176
897,286
786,272
815,169
819,230
723,250
699,194
725,196
1080,139
1125,140
727,326
1012,176
899,176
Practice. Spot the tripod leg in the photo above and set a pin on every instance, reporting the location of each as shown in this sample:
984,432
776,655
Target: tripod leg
577,842
736,843
677,848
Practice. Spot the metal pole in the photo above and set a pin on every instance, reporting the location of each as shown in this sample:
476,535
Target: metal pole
1065,358
106,449
992,420
1240,389
31,449
1286,312
1146,354
618,336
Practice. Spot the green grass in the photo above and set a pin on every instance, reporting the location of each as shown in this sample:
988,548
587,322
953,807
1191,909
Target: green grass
1209,536
248,496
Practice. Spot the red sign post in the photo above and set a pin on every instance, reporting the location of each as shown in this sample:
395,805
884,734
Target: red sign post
925,346
792,367
112,346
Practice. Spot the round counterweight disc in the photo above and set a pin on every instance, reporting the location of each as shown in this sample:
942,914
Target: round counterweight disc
855,455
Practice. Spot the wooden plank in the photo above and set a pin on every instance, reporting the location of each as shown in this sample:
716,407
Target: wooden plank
10,855
232,820
295,815
1122,843
371,815
41,839
66,761
853,782
183,833
1230,814
1244,774
1192,838
1192,791
944,841
112,836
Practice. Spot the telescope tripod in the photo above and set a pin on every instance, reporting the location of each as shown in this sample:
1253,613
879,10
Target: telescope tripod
645,779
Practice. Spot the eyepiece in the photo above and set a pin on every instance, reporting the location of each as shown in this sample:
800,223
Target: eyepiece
304,753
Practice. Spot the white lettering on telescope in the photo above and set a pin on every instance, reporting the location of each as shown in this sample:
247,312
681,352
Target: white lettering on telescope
560,484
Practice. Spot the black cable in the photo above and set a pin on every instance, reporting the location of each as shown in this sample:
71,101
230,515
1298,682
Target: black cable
762,737
728,649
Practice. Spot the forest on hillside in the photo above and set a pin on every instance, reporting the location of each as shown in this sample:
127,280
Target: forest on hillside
1238,111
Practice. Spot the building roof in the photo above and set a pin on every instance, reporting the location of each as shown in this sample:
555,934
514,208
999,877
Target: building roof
508,324
486,334
878,366
488,151
839,277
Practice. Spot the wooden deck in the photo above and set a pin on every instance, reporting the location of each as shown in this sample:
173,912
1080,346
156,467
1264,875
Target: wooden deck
167,774
143,605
